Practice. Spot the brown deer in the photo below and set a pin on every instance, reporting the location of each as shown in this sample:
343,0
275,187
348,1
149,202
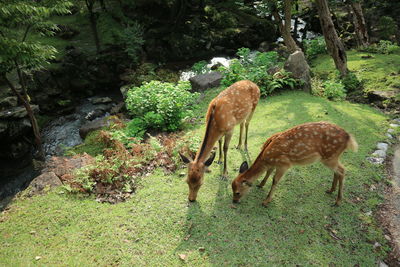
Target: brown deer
300,145
235,105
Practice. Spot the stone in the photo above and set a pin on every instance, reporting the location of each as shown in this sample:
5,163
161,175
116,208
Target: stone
92,126
17,112
397,120
203,82
124,90
9,102
388,135
44,181
264,47
394,125
379,153
382,95
298,66
390,130
274,69
117,108
382,264
376,161
382,146
100,100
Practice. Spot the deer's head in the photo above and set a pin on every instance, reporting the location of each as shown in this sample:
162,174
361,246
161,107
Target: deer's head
240,185
195,176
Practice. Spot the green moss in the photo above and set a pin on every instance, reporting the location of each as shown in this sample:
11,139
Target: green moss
381,72
300,227
91,146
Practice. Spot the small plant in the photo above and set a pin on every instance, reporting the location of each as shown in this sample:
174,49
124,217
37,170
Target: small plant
351,82
200,67
317,87
383,47
315,47
159,106
334,90
254,67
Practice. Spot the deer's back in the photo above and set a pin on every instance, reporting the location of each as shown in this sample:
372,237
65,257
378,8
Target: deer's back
235,104
306,143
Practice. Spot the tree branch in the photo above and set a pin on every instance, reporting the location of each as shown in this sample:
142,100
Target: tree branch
26,32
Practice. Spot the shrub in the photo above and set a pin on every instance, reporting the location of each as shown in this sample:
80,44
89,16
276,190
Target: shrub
351,82
383,47
315,47
200,67
255,67
159,106
334,90
317,87
386,27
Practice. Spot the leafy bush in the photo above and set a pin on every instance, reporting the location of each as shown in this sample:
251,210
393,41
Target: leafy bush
317,87
157,105
351,82
315,47
334,90
383,47
386,27
200,67
255,67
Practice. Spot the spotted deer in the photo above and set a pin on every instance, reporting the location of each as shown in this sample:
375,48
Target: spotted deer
300,145
235,105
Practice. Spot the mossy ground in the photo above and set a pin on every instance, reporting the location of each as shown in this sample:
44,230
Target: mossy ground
379,72
300,226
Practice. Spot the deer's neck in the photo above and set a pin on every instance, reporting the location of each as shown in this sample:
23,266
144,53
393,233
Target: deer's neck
210,138
255,170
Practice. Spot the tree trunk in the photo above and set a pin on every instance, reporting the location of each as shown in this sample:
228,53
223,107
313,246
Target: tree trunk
334,45
285,27
32,118
93,23
360,27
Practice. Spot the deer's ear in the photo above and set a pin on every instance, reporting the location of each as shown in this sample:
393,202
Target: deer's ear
210,159
244,167
184,158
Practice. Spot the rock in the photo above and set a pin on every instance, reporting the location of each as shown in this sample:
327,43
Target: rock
382,264
397,120
117,108
202,82
382,146
298,66
46,180
64,166
100,100
379,153
263,47
18,128
9,102
390,130
389,136
375,160
93,126
17,112
394,125
124,90
382,95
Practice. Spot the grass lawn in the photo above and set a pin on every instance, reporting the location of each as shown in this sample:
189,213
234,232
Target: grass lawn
381,72
157,224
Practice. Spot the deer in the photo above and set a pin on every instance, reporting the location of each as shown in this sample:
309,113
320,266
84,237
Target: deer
235,105
300,145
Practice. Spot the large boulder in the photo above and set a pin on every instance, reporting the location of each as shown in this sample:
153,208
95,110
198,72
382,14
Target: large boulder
17,112
298,66
93,126
8,102
202,82
42,183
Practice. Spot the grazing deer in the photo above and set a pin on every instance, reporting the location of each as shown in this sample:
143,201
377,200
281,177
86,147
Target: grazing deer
235,105
300,145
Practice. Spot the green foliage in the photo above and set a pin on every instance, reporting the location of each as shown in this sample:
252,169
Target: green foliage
200,67
132,39
315,47
17,20
383,47
254,67
387,27
91,146
334,90
351,82
159,106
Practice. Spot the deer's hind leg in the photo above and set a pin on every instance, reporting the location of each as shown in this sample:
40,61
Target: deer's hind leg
338,177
